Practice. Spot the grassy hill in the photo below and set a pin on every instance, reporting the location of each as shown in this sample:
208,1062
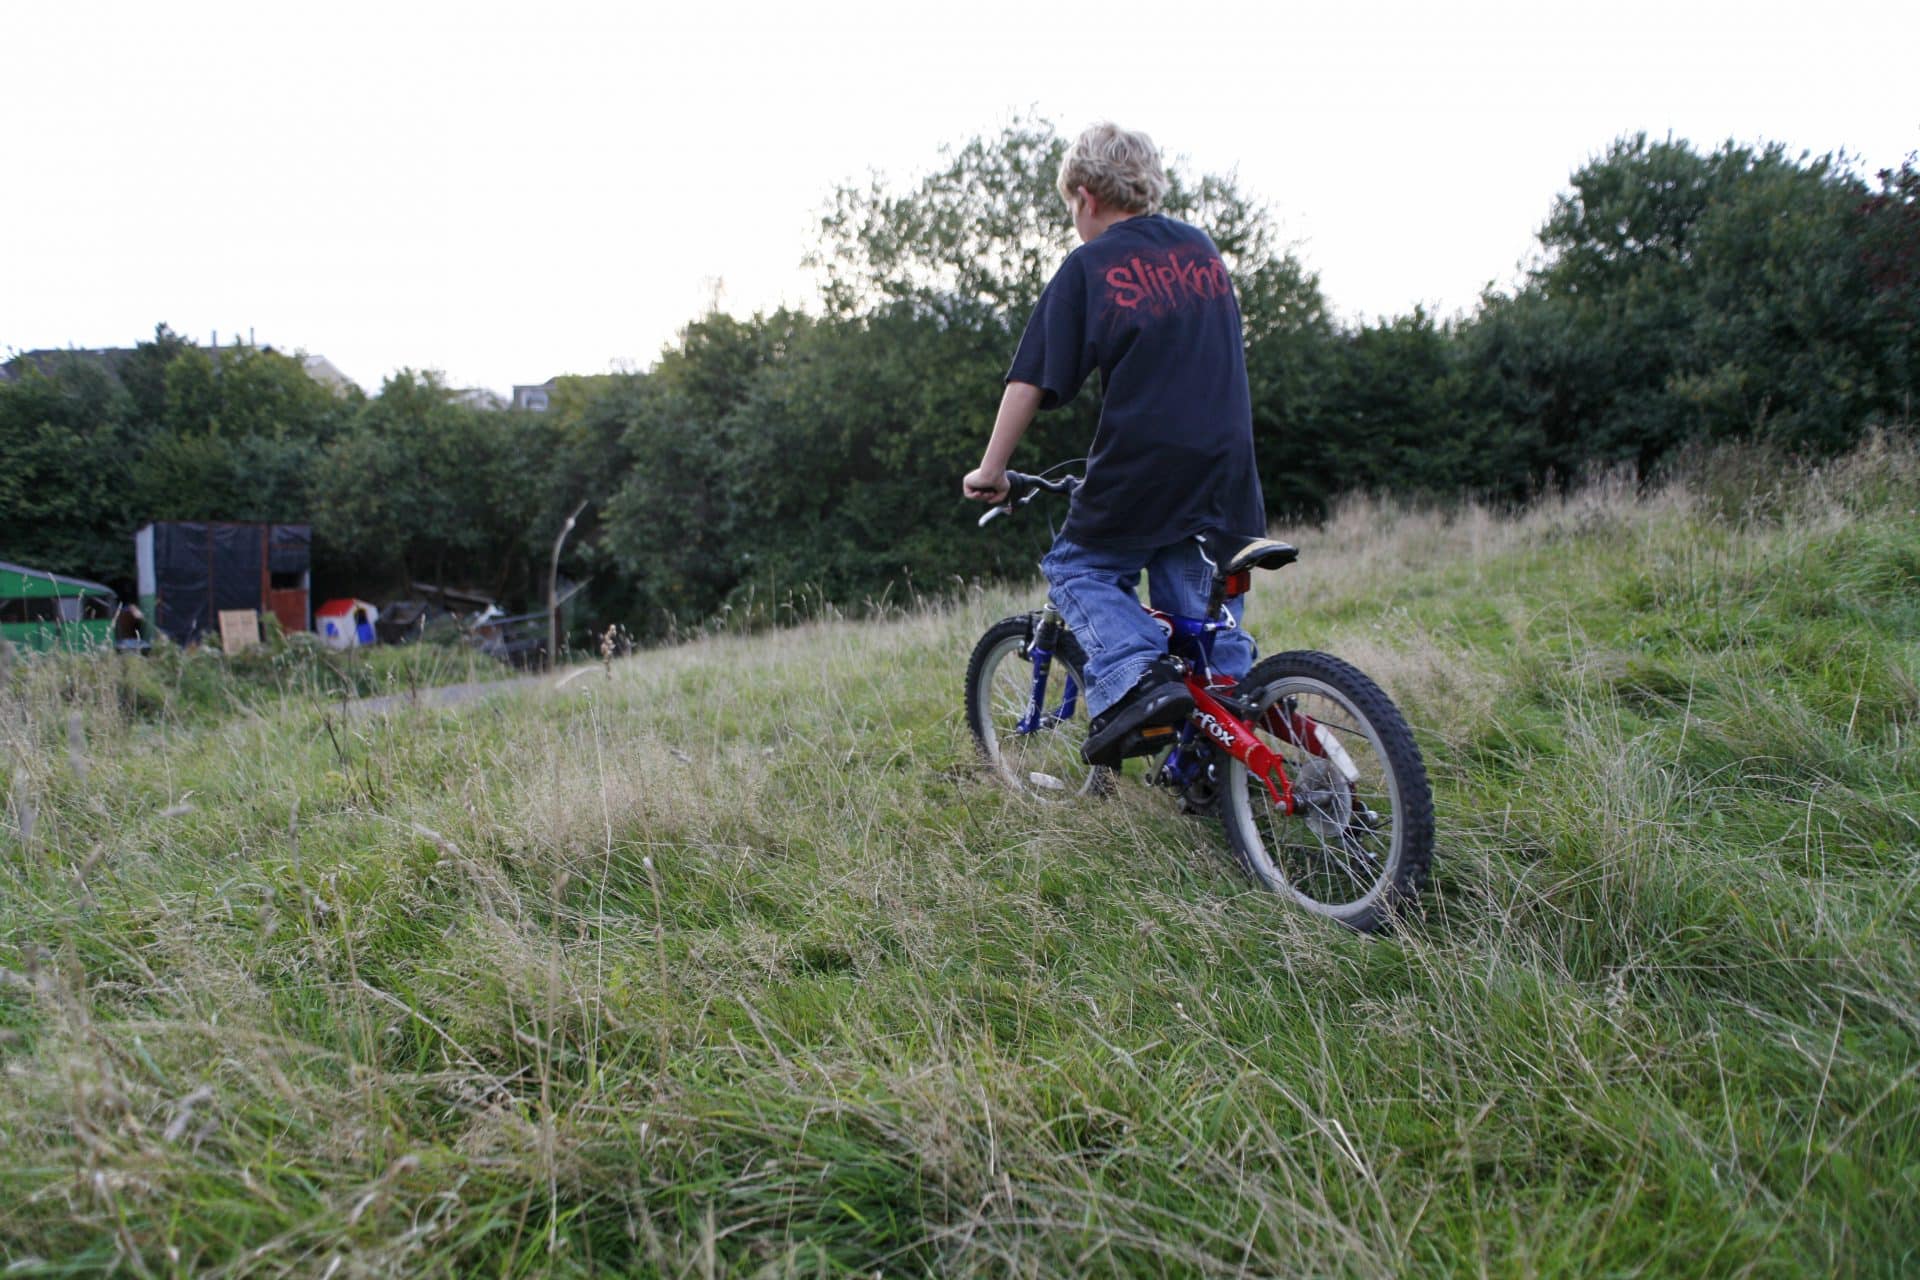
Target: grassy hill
729,960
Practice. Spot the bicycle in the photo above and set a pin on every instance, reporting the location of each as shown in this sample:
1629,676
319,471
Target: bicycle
1308,764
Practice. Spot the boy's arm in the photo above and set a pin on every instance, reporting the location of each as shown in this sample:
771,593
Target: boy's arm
988,481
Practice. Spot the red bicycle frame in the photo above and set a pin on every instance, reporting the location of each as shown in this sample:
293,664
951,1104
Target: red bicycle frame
1235,737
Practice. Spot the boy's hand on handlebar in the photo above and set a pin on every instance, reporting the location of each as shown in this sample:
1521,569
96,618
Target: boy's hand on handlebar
983,485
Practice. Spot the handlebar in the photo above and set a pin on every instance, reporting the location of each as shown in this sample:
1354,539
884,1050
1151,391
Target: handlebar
1023,488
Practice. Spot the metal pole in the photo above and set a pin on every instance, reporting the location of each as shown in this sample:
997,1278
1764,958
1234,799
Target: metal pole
553,579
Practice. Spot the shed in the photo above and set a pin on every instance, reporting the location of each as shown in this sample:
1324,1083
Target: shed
191,570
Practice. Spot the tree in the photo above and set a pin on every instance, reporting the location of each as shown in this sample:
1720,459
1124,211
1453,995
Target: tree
976,240
237,433
144,374
66,484
979,238
423,486
1291,359
1887,230
1687,296
669,524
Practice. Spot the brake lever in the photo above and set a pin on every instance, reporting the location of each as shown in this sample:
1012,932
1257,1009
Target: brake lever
1034,490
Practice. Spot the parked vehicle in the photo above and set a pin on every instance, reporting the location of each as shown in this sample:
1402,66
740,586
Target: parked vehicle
43,611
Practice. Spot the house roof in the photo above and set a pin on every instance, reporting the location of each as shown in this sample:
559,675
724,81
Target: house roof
46,359
322,371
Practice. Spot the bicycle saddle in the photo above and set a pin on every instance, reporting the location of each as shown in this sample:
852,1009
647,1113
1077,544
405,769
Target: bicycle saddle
1261,553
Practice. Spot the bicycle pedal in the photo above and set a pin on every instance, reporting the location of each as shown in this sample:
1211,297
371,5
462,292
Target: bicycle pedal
1144,741
1148,739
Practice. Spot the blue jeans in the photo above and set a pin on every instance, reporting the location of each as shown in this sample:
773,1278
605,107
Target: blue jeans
1096,591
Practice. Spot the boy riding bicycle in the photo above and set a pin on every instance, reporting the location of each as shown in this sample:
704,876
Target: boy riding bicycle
1145,300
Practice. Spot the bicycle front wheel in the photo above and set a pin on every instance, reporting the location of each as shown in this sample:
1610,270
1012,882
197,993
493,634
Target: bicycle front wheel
1360,839
1031,735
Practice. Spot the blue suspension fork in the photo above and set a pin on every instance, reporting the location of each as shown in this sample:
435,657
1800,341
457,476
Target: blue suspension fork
1040,649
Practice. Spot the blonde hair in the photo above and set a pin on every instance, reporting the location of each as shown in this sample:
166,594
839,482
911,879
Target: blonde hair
1120,166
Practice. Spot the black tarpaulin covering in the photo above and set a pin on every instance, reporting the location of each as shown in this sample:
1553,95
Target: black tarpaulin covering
200,569
238,571
290,549
183,578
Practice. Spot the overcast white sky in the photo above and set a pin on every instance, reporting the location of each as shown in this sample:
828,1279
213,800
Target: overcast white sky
509,191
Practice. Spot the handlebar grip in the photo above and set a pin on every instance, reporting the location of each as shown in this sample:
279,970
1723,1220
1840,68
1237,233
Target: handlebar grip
1023,488
1018,484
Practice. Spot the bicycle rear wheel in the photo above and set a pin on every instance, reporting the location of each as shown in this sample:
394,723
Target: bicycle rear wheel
1361,841
1039,756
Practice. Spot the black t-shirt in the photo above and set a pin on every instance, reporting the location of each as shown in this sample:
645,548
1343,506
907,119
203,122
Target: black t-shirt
1148,303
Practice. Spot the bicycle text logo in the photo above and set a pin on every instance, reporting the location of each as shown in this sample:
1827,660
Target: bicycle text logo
1215,730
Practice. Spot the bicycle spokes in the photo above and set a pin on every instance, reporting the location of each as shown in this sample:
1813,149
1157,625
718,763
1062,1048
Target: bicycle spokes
1335,843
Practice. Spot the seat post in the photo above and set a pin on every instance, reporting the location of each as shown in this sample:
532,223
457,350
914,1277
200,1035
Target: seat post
1217,592
1217,595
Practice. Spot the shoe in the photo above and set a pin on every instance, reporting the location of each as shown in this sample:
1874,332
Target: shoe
1143,720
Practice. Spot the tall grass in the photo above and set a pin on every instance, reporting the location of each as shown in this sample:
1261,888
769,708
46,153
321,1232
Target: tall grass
730,960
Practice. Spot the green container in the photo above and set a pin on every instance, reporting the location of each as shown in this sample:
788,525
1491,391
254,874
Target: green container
43,611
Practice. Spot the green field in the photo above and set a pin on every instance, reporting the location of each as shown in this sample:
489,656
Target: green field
729,959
